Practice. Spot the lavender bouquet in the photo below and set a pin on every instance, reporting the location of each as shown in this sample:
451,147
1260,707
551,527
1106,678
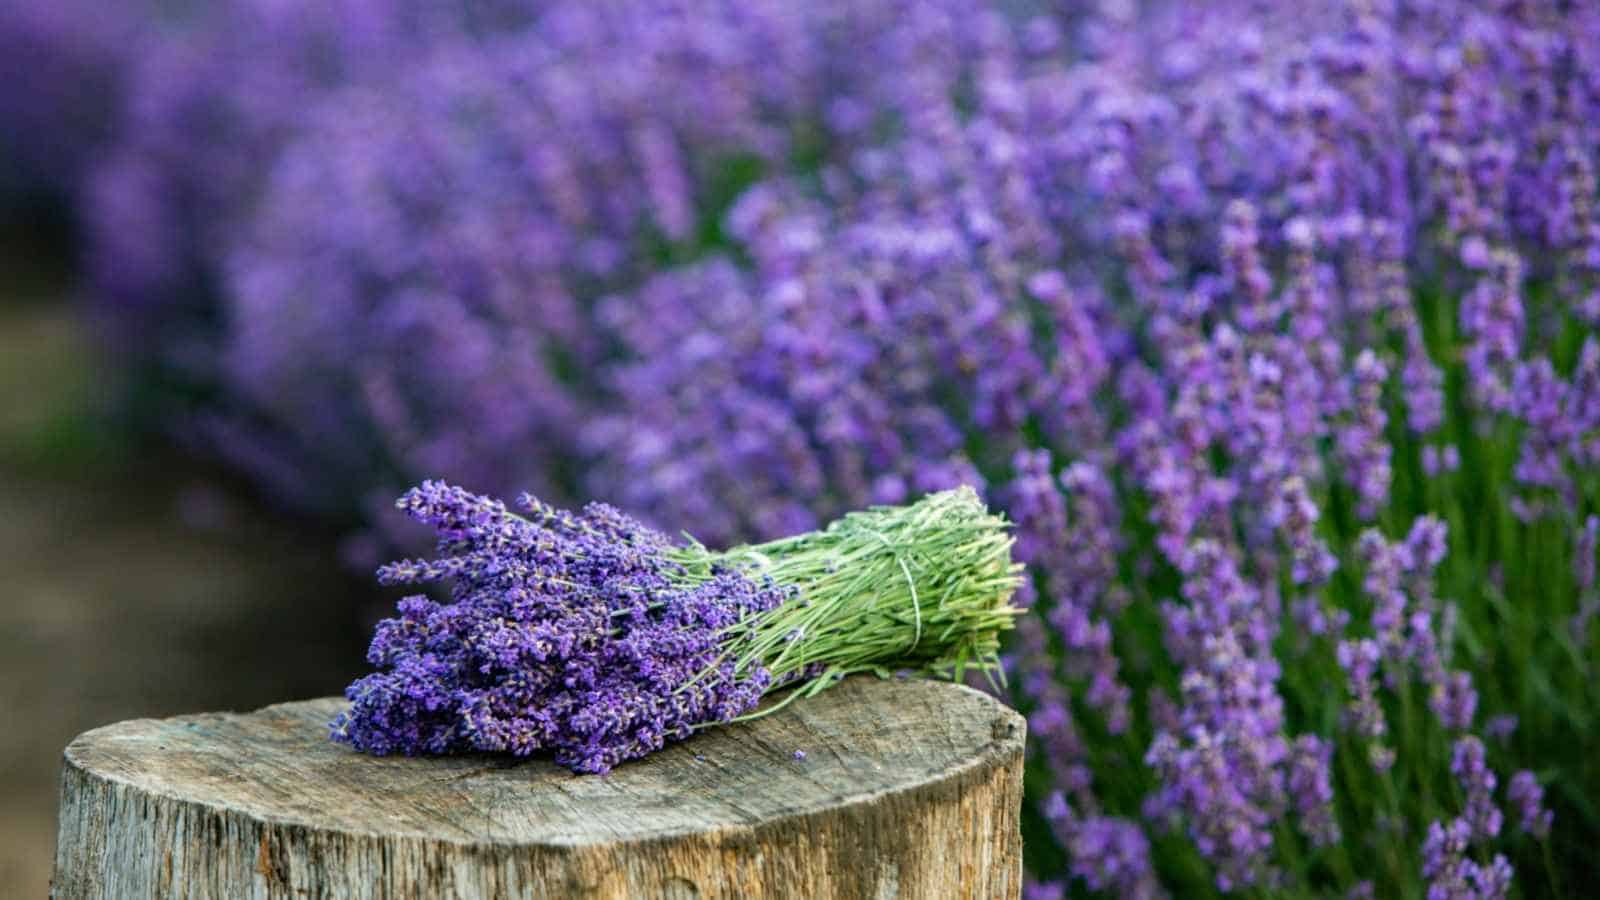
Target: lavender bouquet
597,638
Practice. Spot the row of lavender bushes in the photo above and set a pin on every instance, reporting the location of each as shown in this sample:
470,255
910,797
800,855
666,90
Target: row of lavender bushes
1274,330
347,244
1278,341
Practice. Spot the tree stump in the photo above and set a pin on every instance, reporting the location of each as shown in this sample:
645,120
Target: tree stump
875,788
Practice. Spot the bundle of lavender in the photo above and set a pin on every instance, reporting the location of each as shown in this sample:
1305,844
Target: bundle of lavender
598,639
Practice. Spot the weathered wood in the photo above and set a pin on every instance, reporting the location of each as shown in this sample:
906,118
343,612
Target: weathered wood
906,789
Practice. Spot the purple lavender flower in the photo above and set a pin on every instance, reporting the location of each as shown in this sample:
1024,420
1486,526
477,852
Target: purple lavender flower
1385,569
1444,861
1541,399
1423,386
1296,514
1107,853
1362,448
1492,316
1527,795
1586,552
1454,700
1583,405
1493,881
1078,561
1501,727
1044,890
1225,774
1468,764
1437,460
1359,659
1311,788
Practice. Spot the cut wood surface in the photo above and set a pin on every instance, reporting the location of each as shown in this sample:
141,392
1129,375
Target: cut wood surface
906,789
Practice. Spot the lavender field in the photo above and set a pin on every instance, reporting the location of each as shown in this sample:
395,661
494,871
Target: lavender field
1274,329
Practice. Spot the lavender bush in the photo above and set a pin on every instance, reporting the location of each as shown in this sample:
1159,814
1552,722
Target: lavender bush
470,213
597,638
208,104
1279,345
382,180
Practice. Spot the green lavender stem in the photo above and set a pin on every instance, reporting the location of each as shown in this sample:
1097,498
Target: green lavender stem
924,587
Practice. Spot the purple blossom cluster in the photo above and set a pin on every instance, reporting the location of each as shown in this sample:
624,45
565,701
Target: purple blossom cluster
1223,768
1411,631
564,633
1109,854
1451,874
1526,794
61,62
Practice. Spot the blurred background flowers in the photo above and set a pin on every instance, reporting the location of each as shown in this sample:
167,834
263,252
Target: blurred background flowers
1273,328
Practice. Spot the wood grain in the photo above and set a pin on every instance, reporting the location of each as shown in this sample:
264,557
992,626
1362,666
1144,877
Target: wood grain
908,789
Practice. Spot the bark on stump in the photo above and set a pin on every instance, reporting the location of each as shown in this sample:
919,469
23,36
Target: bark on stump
907,789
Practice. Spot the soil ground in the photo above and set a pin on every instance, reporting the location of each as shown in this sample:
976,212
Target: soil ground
133,584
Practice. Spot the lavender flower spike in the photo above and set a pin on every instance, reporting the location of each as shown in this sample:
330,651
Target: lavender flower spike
1527,796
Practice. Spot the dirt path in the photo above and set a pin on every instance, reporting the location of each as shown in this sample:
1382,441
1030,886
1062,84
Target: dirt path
132,587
